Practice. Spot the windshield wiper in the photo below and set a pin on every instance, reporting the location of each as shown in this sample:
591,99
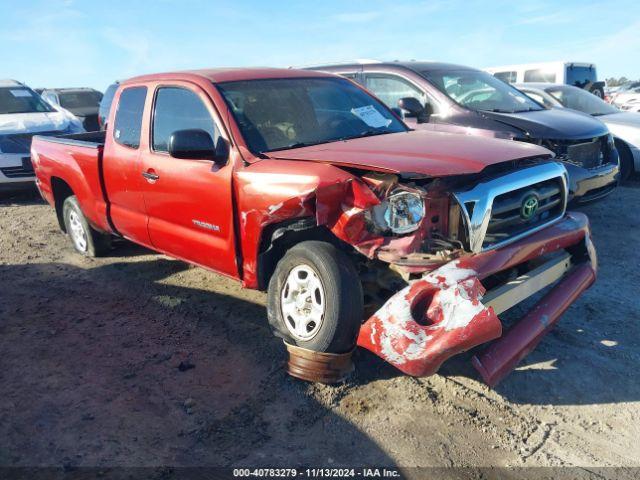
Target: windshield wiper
293,145
530,109
366,133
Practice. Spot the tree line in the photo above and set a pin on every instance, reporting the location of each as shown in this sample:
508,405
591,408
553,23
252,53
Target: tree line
615,82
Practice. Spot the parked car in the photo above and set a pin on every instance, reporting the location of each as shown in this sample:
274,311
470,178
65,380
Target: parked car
452,98
632,105
305,185
82,102
624,126
627,97
577,74
105,104
22,114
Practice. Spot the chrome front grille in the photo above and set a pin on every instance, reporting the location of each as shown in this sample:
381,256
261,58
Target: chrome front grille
504,209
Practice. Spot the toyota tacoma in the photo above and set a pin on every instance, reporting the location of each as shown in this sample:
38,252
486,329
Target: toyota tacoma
362,231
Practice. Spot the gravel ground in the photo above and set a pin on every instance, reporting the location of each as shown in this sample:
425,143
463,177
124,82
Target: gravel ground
140,360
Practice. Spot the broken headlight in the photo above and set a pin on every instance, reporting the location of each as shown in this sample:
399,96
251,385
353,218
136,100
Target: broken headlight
401,212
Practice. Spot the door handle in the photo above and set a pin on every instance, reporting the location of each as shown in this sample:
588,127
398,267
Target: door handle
150,176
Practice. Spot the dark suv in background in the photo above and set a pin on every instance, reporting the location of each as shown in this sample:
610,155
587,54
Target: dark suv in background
82,102
458,99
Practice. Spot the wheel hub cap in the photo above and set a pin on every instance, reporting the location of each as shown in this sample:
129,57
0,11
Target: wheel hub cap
78,235
302,302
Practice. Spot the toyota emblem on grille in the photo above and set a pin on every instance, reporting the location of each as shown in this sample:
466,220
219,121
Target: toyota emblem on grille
529,207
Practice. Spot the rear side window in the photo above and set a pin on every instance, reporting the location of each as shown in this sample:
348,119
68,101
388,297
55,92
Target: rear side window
539,75
179,109
390,89
509,77
128,124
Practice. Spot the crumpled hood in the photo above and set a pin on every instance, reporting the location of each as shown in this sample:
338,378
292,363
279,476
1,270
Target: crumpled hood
425,152
33,122
552,124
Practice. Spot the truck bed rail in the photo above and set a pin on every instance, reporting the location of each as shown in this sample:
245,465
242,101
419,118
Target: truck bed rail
86,139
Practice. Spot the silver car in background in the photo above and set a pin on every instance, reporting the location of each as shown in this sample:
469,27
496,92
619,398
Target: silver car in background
624,126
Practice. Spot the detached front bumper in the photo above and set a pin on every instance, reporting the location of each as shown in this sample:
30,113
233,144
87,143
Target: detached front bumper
443,313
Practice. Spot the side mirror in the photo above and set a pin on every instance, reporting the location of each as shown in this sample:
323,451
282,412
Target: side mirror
196,144
415,108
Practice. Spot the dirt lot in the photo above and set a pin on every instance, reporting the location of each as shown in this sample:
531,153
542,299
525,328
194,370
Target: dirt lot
140,360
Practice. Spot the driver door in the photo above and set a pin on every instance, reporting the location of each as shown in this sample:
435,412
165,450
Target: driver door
188,202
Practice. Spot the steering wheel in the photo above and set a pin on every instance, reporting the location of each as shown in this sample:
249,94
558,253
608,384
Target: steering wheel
273,136
338,123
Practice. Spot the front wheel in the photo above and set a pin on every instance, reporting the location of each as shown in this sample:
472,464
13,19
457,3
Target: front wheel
315,298
626,160
85,239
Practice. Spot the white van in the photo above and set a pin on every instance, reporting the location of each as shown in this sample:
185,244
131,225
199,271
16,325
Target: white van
23,114
577,74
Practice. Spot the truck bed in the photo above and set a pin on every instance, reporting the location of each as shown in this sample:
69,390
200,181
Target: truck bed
86,139
74,162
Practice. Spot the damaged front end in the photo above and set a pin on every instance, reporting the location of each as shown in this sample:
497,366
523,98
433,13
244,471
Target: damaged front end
439,259
510,255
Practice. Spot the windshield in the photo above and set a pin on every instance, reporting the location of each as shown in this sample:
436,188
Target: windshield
21,100
480,91
79,99
581,100
278,114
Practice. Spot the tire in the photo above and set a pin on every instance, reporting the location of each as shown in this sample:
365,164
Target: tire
318,278
598,92
626,160
84,238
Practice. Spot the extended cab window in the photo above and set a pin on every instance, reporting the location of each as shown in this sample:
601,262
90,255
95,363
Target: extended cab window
179,109
128,122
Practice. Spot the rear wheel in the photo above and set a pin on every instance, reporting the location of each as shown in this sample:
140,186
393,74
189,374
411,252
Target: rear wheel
85,239
315,298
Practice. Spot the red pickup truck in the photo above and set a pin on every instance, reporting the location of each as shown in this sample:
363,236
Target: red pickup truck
407,243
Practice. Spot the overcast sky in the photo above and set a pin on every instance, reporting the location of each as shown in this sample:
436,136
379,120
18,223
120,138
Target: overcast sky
58,43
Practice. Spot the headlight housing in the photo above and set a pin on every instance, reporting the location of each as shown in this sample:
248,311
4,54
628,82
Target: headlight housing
401,212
